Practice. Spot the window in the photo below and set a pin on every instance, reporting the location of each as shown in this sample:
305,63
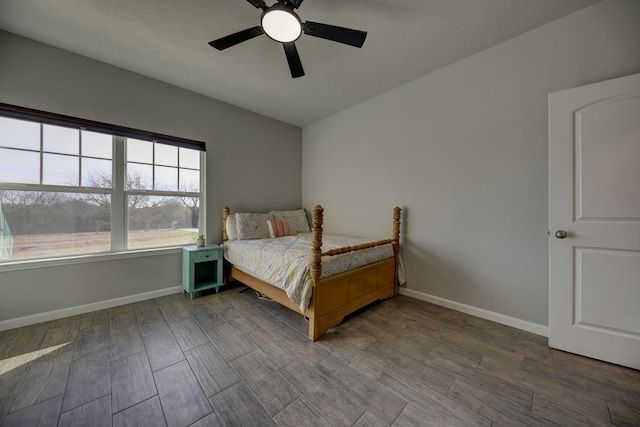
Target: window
162,190
69,187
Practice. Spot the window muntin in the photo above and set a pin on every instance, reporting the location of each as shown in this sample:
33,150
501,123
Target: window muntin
71,169
162,167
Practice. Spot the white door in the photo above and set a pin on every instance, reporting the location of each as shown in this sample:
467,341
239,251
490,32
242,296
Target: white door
594,220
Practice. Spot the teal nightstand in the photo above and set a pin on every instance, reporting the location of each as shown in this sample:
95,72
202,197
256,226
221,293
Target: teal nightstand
201,268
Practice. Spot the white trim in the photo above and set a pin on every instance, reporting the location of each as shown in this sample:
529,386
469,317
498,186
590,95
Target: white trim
87,308
30,264
119,215
202,212
503,319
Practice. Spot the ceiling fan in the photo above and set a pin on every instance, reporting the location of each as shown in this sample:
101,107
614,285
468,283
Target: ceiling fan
280,23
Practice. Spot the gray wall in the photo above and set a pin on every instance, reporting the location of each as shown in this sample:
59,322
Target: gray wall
464,151
240,159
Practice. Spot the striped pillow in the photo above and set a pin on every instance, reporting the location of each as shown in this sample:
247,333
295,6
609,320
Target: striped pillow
279,228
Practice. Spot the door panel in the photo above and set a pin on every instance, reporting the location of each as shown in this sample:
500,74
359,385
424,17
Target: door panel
596,305
594,195
607,175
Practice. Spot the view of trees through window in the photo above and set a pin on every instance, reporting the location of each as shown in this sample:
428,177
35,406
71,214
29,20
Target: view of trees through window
65,201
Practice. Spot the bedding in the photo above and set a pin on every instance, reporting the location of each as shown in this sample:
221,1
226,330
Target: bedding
284,261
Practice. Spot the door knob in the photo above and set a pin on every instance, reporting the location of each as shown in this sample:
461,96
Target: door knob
561,234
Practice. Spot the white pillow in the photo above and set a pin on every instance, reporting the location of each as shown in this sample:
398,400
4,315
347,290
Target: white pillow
232,230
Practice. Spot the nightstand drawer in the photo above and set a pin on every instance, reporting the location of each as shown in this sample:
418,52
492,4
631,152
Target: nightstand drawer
207,255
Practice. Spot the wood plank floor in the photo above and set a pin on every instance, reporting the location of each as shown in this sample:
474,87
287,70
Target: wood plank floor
233,359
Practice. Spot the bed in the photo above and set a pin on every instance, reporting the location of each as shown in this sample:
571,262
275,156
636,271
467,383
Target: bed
350,274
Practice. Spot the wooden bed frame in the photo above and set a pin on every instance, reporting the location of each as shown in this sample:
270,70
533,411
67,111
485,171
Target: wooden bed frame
335,296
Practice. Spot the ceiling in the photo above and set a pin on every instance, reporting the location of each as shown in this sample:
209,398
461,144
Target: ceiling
167,40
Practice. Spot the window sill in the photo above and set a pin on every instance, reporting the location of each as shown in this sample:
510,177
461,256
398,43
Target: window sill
81,259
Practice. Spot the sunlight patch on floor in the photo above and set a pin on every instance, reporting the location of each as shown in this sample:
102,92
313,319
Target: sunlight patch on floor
7,365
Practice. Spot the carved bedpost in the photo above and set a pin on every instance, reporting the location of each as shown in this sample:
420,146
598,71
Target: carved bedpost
225,215
316,245
396,230
396,245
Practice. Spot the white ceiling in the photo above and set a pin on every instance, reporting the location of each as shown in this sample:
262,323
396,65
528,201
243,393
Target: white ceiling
167,40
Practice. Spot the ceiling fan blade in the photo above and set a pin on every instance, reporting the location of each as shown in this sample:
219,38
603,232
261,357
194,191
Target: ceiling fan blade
259,4
293,3
337,34
295,65
235,38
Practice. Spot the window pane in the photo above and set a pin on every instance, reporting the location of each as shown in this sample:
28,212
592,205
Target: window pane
166,178
19,133
96,173
189,180
19,166
60,170
189,158
53,224
96,144
166,155
139,177
162,221
139,151
57,139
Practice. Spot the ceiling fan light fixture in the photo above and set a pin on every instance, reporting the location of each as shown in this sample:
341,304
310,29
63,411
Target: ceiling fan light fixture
281,24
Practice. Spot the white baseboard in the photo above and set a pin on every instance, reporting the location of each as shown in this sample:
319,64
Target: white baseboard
87,308
524,325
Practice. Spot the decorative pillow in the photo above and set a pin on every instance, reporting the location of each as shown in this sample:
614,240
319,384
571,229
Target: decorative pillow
279,228
252,225
232,230
297,219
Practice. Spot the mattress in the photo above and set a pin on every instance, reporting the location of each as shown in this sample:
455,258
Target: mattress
284,262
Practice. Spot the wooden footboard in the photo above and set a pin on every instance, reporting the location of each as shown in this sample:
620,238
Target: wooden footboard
336,296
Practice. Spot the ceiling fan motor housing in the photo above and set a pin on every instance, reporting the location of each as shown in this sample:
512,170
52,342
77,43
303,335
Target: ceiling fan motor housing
280,23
